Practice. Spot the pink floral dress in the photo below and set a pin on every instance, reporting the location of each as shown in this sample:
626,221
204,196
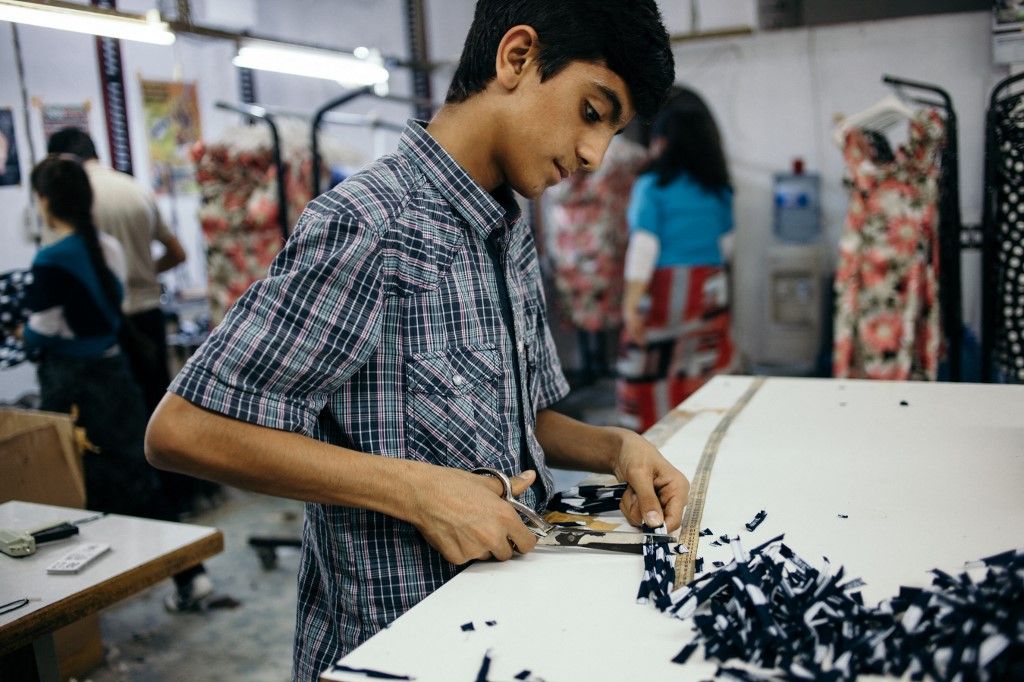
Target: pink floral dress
587,237
239,215
887,282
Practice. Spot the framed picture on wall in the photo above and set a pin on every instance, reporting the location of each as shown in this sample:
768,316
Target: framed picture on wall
10,173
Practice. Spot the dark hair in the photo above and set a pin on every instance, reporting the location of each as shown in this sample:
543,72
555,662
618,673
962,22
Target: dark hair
61,180
693,144
72,141
627,36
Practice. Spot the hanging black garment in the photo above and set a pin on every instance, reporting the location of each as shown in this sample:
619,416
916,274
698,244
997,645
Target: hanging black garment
13,314
1007,187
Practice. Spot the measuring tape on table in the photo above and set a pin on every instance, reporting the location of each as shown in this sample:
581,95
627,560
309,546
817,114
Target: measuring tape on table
689,532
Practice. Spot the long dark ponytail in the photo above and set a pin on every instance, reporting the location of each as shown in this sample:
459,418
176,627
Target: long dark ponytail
61,180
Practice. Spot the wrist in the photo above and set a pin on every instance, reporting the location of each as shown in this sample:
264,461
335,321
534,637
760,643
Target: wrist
616,439
409,479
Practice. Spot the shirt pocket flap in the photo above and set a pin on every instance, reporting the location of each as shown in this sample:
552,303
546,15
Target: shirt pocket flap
452,371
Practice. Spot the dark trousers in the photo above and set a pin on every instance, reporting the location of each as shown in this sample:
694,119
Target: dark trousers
153,380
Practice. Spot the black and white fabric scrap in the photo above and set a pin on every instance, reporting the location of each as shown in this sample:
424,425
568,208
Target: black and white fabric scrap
13,314
588,499
368,673
781,618
756,521
483,675
659,570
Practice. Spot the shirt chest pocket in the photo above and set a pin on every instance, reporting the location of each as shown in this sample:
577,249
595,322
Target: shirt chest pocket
451,407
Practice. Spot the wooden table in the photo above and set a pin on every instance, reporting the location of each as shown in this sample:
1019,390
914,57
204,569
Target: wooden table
143,552
934,482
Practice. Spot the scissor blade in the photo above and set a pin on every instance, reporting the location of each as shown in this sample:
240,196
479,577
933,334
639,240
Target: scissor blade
622,541
639,535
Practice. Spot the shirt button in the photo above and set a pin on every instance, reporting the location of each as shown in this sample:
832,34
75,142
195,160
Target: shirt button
458,379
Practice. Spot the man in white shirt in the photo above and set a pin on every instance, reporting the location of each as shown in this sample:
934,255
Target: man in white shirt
126,211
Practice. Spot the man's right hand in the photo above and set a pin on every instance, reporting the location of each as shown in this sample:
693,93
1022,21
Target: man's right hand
464,516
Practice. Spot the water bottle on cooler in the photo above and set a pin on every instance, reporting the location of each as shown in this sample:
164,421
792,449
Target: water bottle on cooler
797,205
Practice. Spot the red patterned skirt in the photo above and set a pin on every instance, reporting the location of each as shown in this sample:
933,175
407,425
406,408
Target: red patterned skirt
687,342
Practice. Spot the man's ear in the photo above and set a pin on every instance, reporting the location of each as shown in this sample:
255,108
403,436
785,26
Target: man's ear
517,54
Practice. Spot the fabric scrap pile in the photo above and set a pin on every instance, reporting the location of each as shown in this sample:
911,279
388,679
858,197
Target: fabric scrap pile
788,620
587,499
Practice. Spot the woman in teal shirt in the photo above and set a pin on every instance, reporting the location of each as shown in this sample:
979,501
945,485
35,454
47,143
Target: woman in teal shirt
74,330
676,306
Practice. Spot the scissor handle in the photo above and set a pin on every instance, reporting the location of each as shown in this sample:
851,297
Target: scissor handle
534,521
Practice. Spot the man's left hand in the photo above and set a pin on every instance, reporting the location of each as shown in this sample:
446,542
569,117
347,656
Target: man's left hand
657,491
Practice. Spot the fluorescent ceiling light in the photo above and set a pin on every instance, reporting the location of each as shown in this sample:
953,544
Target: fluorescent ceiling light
148,29
347,69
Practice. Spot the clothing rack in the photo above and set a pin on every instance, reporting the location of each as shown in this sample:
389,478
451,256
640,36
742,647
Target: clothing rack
257,112
990,245
318,119
950,219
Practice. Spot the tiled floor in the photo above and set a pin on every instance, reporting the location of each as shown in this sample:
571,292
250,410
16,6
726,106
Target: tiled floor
250,642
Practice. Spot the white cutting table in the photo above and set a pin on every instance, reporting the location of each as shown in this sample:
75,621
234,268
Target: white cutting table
929,484
142,553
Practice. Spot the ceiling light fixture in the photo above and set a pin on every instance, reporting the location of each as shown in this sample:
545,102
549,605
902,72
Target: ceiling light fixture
65,17
351,70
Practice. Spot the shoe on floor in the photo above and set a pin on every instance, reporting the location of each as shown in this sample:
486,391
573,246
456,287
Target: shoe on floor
190,597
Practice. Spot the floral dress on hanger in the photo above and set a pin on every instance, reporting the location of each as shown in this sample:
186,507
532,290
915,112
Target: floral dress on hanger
239,215
587,236
887,282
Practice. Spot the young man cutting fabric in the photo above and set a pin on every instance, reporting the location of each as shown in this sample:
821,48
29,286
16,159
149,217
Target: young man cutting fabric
401,338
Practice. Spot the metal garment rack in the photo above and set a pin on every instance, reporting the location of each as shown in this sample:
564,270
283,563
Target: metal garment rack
257,112
950,219
990,245
321,113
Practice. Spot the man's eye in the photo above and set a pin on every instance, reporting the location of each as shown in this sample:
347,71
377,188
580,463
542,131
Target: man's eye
590,113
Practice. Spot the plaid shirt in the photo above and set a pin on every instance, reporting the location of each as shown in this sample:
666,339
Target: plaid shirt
379,328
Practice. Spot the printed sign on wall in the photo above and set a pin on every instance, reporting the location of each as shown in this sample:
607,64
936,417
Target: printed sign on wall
58,116
172,127
10,172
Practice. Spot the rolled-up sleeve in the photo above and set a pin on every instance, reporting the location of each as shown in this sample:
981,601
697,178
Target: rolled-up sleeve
293,338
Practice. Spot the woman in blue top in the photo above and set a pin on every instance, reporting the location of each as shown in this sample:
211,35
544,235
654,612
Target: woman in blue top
74,304
676,305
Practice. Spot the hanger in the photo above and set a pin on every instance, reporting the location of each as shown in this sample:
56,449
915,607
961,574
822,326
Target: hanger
880,116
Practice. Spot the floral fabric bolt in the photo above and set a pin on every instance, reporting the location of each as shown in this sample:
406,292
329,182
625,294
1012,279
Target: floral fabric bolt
239,215
887,283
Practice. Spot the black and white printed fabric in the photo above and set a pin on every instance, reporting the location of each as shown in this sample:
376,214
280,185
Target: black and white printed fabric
13,314
1009,181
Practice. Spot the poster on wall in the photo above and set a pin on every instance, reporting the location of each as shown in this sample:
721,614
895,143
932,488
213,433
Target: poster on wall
172,127
58,116
10,173
1007,23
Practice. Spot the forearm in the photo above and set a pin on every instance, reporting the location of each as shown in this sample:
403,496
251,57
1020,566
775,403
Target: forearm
633,294
571,444
187,439
174,254
166,262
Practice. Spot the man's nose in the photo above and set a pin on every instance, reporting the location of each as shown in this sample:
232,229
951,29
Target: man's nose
591,149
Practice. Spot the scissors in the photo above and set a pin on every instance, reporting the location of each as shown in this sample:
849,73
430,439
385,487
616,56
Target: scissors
561,536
